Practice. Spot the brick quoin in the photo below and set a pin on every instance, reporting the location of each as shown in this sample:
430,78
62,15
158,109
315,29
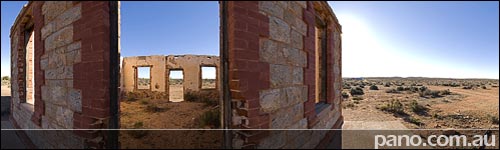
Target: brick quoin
91,75
246,26
39,73
309,72
330,94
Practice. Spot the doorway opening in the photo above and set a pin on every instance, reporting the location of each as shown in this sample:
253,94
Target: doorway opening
176,85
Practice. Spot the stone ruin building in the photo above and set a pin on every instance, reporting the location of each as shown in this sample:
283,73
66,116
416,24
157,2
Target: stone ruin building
279,68
160,66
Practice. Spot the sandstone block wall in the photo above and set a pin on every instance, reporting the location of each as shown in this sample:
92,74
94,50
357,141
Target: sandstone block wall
70,68
271,60
272,72
160,68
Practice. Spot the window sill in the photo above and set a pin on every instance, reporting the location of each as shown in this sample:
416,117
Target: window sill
320,107
28,107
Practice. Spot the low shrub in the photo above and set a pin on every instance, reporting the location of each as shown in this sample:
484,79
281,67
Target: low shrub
394,106
493,119
414,120
445,92
137,133
210,118
357,91
417,108
357,98
387,84
154,109
400,88
345,95
391,91
373,87
210,98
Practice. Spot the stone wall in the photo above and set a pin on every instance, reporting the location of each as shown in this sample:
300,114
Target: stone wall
160,68
272,73
71,72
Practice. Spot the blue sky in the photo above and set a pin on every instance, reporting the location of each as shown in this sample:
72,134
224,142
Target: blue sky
429,39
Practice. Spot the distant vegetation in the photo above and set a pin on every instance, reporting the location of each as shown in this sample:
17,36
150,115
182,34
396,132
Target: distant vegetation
357,91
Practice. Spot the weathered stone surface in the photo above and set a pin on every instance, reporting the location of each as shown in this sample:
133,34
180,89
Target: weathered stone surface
271,100
59,38
271,8
75,100
296,94
297,75
64,117
161,65
56,60
69,83
45,123
74,46
296,142
300,26
271,52
279,30
50,74
274,99
303,4
50,111
73,57
280,75
296,8
52,9
294,57
54,83
302,124
45,92
44,63
58,95
282,4
68,17
48,29
277,139
283,118
68,73
297,40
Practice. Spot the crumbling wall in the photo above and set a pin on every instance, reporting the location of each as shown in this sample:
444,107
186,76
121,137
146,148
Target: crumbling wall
71,73
191,65
157,72
272,73
160,67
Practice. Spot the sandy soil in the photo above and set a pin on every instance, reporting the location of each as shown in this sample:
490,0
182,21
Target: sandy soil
5,90
179,114
176,93
463,109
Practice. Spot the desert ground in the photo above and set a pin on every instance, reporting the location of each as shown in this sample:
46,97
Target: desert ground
443,104
178,113
5,87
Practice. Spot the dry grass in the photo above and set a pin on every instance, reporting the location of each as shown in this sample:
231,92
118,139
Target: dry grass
425,103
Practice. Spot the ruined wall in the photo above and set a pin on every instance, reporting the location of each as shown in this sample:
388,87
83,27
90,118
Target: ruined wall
191,65
71,73
272,73
157,72
160,67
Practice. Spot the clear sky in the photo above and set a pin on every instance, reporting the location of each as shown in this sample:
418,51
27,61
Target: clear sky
428,39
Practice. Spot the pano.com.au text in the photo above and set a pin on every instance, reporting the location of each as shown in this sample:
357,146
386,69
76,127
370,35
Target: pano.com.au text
433,140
